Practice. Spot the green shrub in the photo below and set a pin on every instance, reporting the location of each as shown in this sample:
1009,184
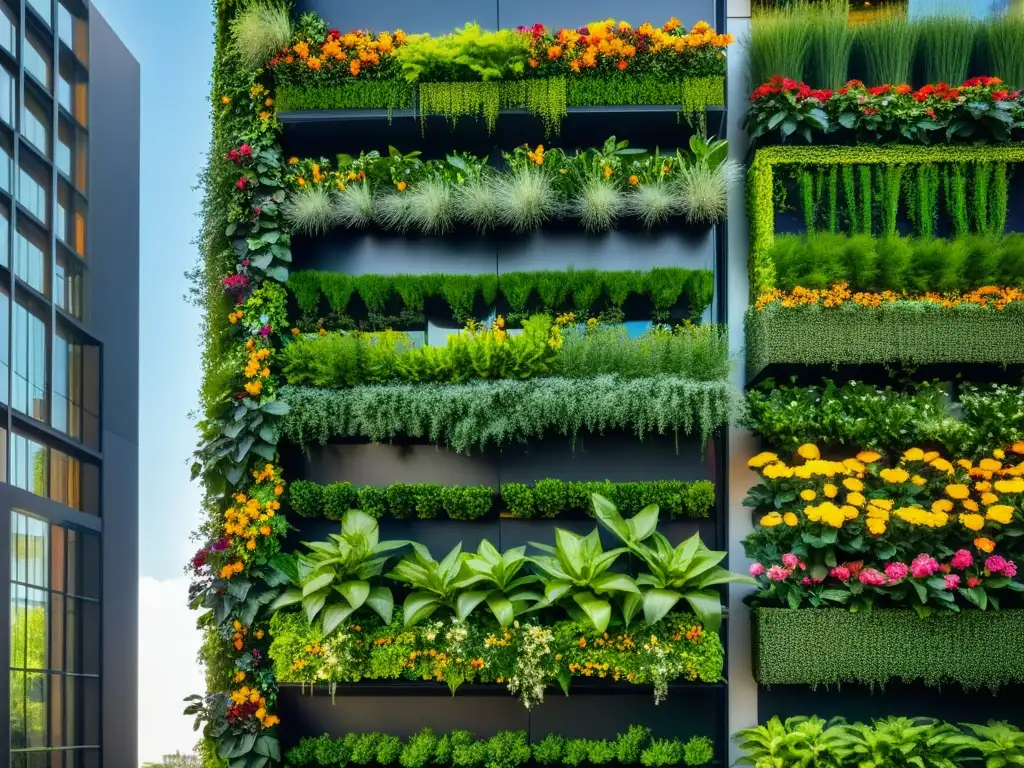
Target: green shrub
548,751
508,749
419,750
629,746
306,498
373,501
467,502
662,752
518,499
699,750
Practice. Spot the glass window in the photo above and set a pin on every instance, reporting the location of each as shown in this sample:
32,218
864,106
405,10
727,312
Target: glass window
32,256
5,245
38,60
8,95
8,28
75,388
33,189
6,161
29,464
4,363
71,87
42,7
65,149
35,125
68,289
29,352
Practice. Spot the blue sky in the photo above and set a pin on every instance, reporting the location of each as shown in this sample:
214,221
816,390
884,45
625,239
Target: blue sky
173,43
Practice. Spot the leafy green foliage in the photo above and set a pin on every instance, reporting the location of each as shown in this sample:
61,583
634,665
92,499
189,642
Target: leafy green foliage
434,584
861,416
971,648
477,414
496,581
699,750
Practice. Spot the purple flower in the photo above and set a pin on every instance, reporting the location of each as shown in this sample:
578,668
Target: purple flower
790,560
952,581
777,573
840,572
871,577
220,544
962,559
896,571
265,331
756,569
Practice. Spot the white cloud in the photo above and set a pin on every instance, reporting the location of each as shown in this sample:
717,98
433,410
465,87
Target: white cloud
168,670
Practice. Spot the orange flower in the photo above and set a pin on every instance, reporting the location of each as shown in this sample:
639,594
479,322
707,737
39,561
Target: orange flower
633,181
984,545
622,64
608,171
353,67
532,62
302,48
554,52
901,89
401,186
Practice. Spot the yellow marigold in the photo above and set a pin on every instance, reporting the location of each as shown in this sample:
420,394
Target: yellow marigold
855,498
776,471
970,504
972,522
913,454
1000,513
771,520
918,480
809,451
965,463
895,476
876,526
983,486
1018,447
988,499
1016,485
762,459
942,505
942,466
958,491
931,456
850,513
877,513
830,491
808,495
853,484
827,513
990,465
790,519
882,503
985,545
868,457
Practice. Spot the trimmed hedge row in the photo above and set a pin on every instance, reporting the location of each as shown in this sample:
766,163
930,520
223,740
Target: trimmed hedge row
547,498
827,646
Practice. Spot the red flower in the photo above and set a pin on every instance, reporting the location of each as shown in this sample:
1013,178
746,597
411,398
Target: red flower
1000,95
242,183
931,113
843,91
869,111
245,150
879,90
822,95
334,35
854,84
902,89
233,156
972,82
973,582
622,64
804,91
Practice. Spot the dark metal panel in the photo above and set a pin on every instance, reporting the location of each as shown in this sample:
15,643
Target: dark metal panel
413,16
576,13
386,464
360,253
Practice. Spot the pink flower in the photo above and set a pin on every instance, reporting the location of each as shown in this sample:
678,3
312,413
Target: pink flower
790,560
265,331
806,581
924,566
242,183
777,573
871,577
840,572
962,559
1010,570
995,564
896,571
756,569
245,262
257,210
245,150
952,581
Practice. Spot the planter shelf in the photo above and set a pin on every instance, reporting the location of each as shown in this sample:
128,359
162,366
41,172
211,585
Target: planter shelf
430,688
976,649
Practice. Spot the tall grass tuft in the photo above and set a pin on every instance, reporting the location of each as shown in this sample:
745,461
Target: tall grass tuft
779,42
703,190
945,46
526,199
652,203
258,31
310,211
353,208
392,210
598,205
476,204
1004,49
888,45
831,43
431,208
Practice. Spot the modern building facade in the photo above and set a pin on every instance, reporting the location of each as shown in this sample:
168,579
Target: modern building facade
69,307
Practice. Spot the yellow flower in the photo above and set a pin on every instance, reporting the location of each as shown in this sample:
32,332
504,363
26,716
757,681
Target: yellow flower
831,491
608,171
875,526
942,466
868,457
942,505
999,453
882,503
270,721
895,476
918,480
990,465
970,504
762,459
808,451
855,498
972,522
853,465
914,454
293,161
1010,486
931,456
225,100
988,499
853,484
965,463
985,545
790,519
777,470
1000,513
850,513
771,520
808,495
958,491
239,676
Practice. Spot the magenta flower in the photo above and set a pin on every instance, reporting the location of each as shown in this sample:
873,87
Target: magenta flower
962,559
896,571
756,569
265,331
871,577
996,564
1009,570
924,566
952,581
777,573
840,572
790,560
806,581
220,544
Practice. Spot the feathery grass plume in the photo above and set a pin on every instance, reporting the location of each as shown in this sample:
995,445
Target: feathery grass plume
310,211
831,43
598,205
703,190
1004,48
888,45
476,203
779,42
652,203
945,45
353,207
526,199
431,208
258,31
393,210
